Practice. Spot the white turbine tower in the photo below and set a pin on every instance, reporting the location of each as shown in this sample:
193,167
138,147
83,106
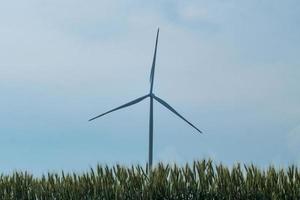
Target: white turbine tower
151,96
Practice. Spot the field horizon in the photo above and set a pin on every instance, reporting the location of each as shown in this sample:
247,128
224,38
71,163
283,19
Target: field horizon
203,179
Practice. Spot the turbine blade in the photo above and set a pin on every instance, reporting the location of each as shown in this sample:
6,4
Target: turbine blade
174,111
122,106
153,62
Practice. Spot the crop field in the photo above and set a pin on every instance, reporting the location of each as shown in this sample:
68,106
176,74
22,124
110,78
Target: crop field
200,180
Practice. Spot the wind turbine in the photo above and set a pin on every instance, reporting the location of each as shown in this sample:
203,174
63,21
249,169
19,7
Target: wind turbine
151,96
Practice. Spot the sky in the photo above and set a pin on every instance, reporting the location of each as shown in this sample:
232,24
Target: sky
230,67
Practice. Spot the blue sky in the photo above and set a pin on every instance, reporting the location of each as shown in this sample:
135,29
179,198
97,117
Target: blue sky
230,67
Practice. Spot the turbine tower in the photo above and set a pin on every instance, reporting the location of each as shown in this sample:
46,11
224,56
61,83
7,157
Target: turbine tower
151,96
